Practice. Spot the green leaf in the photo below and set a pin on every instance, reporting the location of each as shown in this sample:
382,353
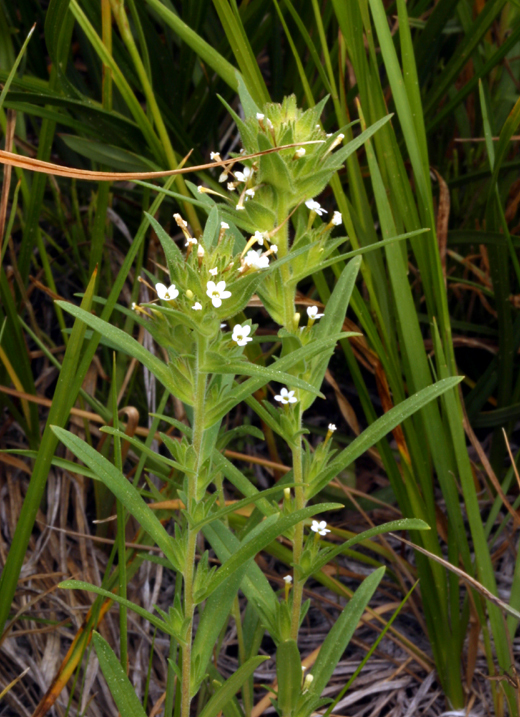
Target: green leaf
124,342
120,686
332,322
80,585
404,524
231,686
121,488
213,363
341,632
203,49
267,532
255,585
380,428
12,72
241,504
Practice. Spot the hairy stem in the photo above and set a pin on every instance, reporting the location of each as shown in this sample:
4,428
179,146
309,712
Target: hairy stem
189,606
298,532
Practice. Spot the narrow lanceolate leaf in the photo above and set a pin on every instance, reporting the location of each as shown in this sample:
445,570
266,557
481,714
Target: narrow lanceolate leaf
120,686
124,342
80,585
121,488
266,532
380,428
230,687
342,631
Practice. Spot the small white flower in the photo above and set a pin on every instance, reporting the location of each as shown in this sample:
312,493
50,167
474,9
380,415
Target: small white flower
315,207
307,683
223,177
190,240
244,176
332,427
134,306
286,396
180,221
256,260
231,186
214,156
318,126
341,137
223,325
200,251
269,123
337,219
329,135
288,579
166,294
217,292
223,225
250,193
274,248
259,116
260,237
239,207
214,271
312,312
200,189
197,306
300,152
320,527
241,334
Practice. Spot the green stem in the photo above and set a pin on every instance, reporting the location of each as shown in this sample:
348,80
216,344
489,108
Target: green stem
246,687
298,533
282,240
189,573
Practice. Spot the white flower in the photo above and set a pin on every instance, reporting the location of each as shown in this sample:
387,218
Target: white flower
241,334
318,126
315,207
320,527
259,116
190,240
166,294
217,292
197,306
223,225
274,248
250,193
329,135
180,221
256,260
260,237
200,250
309,679
223,325
200,189
239,207
214,156
337,219
244,176
134,306
286,396
332,427
223,176
312,312
214,271
288,579
269,123
300,152
231,186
